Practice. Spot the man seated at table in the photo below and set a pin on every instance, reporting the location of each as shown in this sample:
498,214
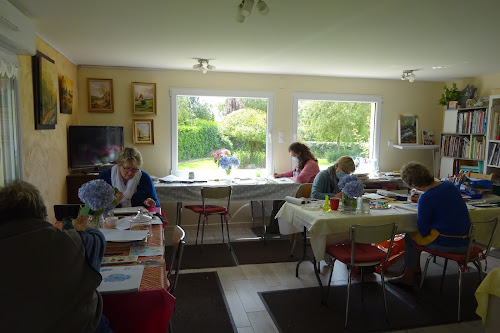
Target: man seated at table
326,181
49,277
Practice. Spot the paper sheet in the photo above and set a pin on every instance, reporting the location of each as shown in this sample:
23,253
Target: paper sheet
115,235
129,210
120,279
146,251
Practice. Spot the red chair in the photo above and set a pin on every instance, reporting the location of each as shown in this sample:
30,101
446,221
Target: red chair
217,193
477,251
362,252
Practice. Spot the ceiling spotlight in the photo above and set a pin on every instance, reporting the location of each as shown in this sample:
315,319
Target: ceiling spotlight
408,75
245,9
203,66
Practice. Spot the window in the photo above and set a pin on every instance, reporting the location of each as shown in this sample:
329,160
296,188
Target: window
205,121
10,135
333,125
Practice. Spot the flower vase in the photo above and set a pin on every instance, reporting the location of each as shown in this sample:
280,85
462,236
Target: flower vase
96,221
229,179
349,204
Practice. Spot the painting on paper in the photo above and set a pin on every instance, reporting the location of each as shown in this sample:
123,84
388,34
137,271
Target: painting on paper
100,95
66,95
45,91
144,98
143,132
428,137
408,129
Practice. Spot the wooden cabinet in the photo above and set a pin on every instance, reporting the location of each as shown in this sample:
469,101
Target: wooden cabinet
463,141
73,183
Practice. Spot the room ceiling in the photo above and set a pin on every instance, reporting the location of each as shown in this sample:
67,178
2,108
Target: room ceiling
361,38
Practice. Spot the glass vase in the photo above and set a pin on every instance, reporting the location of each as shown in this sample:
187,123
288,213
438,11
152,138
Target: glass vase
228,171
349,204
96,221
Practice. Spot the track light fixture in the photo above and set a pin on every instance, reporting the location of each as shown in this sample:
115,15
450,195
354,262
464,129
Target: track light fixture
408,75
244,9
203,66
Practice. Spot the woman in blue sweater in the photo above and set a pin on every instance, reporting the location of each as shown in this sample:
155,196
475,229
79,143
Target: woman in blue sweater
443,219
134,185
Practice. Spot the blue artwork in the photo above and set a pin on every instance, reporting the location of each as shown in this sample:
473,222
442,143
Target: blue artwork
117,278
105,269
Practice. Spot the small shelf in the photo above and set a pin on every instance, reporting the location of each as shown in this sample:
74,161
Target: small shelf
464,134
461,158
416,146
494,141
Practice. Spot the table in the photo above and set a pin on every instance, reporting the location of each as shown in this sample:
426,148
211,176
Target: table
257,190
333,226
149,309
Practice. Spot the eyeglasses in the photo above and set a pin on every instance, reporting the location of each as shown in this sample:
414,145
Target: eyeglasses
127,169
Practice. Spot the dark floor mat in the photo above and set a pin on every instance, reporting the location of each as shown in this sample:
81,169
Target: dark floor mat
299,310
206,256
200,305
272,250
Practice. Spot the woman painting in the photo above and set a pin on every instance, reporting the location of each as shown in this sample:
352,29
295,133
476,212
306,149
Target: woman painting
443,219
326,181
135,186
307,164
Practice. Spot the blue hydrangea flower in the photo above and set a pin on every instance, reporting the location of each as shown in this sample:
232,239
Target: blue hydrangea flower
98,195
351,186
234,161
224,162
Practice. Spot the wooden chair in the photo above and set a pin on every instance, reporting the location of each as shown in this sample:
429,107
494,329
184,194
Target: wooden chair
361,253
174,266
66,213
477,251
206,210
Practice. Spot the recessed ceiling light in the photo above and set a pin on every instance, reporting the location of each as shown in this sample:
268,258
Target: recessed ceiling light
439,67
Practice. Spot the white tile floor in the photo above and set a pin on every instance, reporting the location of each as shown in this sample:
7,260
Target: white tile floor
242,283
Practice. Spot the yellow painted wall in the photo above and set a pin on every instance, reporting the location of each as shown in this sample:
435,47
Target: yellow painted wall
45,151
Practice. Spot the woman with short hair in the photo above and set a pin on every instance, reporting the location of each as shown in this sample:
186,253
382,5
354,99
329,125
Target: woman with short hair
135,186
326,181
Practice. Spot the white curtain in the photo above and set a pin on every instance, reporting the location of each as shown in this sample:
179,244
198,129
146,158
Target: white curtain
10,136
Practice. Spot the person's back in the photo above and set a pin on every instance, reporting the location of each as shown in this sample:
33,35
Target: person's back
47,285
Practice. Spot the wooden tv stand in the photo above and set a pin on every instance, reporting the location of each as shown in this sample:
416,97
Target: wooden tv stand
73,183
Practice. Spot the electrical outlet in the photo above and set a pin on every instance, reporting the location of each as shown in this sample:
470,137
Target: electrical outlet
390,143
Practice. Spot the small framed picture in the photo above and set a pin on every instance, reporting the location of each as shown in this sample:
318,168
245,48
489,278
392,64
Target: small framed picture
428,137
144,98
453,105
143,131
45,91
66,95
100,95
408,129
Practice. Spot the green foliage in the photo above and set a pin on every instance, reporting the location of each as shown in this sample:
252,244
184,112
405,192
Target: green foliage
199,139
246,129
452,94
190,108
257,160
254,103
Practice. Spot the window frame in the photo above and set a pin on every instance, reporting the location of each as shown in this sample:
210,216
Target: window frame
174,137
375,121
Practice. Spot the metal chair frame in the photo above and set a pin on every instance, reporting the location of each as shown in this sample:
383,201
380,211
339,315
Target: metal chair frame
178,244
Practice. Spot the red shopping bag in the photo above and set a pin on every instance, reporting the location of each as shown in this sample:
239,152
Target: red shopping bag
397,250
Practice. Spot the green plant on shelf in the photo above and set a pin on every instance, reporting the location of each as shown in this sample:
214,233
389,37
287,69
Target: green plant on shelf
450,94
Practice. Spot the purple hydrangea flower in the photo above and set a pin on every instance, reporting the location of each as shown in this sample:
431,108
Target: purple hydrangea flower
351,186
98,195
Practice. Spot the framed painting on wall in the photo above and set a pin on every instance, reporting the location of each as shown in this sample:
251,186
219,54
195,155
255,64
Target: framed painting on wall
45,91
100,95
408,129
143,131
66,95
428,137
144,98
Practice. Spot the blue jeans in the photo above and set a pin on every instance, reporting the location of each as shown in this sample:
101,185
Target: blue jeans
412,256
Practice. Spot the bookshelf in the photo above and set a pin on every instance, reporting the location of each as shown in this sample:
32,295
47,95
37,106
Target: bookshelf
492,164
464,139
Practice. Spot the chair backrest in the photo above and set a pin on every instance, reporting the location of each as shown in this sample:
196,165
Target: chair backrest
304,191
178,243
369,234
216,193
481,234
63,211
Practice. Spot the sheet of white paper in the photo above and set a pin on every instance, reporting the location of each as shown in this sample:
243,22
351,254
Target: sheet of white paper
129,210
284,180
116,235
124,223
170,178
148,251
373,196
120,279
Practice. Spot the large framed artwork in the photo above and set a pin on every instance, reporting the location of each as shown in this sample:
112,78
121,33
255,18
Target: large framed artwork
143,131
144,98
100,95
408,130
66,95
45,91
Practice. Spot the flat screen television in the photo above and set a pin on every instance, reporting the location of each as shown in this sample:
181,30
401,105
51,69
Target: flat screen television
94,146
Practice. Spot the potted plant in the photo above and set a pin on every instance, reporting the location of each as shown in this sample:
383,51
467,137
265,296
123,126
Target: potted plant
450,94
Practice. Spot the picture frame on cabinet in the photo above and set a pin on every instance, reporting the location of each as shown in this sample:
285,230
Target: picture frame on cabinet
100,95
408,130
143,131
66,95
143,98
45,91
428,137
453,105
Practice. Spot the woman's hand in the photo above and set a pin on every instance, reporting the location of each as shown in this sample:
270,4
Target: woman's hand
338,195
149,203
119,196
81,223
277,175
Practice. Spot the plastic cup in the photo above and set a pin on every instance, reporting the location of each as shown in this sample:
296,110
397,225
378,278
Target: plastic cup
334,203
111,221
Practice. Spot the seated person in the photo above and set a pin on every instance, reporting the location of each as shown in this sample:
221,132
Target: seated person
326,181
443,219
49,276
307,164
135,186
